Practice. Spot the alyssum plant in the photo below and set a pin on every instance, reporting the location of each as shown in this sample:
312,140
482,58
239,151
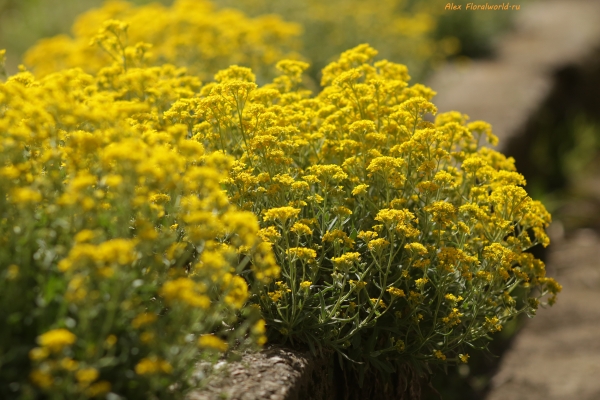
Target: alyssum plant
399,240
141,209
118,249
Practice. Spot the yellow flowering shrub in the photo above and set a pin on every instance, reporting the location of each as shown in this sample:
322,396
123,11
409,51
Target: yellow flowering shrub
190,33
400,240
145,209
119,251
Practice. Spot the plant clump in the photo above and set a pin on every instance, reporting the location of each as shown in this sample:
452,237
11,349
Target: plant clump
400,240
147,218
120,255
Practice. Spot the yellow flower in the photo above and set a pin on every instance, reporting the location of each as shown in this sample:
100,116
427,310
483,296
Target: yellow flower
492,324
301,229
417,248
212,342
84,235
281,214
236,291
57,339
367,236
38,353
339,237
439,355
399,220
378,244
452,298
259,327
275,296
359,189
453,318
69,364
214,260
87,375
153,365
385,164
357,285
379,303
143,319
302,253
328,172
110,341
305,284
396,292
186,291
25,195
420,283
270,234
345,261
442,212
120,250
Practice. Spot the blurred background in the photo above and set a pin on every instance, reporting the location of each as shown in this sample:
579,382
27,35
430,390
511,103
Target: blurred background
533,73
420,34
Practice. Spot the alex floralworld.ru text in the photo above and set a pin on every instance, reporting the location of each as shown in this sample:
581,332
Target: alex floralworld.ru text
486,6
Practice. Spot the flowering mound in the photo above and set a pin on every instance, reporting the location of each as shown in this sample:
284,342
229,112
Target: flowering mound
143,210
399,239
119,253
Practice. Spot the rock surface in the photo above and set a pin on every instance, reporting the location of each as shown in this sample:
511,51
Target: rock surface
273,374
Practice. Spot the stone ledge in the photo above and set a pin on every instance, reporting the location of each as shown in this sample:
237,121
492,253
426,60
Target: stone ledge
275,373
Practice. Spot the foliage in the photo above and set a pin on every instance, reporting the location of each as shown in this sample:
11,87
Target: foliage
119,253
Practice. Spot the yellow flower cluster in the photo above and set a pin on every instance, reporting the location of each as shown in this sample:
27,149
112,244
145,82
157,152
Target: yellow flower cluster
150,366
55,340
302,253
212,342
187,291
111,214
